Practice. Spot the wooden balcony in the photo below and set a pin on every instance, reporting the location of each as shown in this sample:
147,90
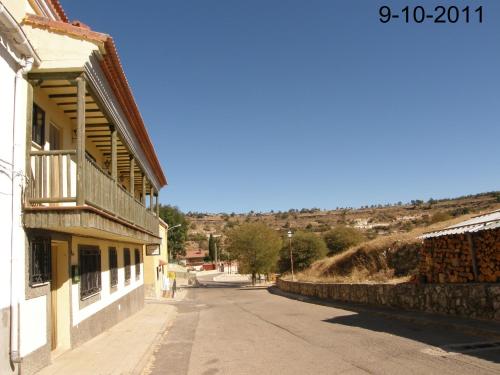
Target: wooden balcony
98,186
53,186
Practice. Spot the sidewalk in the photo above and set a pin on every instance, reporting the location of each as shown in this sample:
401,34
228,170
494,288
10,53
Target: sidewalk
468,326
124,348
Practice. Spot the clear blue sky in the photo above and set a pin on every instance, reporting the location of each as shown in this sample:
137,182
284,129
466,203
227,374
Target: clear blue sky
270,104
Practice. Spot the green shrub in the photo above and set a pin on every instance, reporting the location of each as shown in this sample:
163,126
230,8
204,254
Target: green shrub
306,248
341,238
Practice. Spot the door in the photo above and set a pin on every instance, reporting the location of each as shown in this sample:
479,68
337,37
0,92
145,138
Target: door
60,298
53,298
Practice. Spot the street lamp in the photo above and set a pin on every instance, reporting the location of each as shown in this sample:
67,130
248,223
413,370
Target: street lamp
175,226
291,255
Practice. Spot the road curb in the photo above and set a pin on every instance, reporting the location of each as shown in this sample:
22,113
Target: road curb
467,326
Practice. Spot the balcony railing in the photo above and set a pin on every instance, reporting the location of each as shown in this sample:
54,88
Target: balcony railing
53,183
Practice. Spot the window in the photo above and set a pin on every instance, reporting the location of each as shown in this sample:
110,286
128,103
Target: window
90,271
38,126
54,137
126,263
113,266
137,264
40,261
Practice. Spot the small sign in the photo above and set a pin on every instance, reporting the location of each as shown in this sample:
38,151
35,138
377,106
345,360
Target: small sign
153,249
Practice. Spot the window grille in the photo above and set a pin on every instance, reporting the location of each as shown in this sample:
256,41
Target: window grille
40,261
126,263
90,271
38,126
137,264
113,266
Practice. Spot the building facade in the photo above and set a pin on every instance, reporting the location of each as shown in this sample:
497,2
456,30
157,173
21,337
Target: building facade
156,264
81,181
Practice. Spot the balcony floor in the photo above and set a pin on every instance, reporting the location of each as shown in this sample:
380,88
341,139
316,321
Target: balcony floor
87,221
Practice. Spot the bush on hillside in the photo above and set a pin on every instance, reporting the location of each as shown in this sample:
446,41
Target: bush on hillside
306,248
341,238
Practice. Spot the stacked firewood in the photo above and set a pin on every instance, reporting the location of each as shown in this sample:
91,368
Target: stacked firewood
487,246
461,258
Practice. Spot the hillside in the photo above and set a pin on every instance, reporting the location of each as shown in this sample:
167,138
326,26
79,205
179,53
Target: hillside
374,220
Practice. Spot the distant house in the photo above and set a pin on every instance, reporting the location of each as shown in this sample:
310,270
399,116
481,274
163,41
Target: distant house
195,256
463,253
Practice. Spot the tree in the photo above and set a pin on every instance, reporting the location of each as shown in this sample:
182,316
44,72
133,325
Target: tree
306,248
176,237
255,246
341,238
211,248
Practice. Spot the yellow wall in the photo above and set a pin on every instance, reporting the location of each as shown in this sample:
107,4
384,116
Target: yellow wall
152,283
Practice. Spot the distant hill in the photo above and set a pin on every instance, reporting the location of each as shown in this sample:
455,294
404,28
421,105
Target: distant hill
376,220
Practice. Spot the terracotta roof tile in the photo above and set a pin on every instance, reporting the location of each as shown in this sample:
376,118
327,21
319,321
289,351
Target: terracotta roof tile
56,5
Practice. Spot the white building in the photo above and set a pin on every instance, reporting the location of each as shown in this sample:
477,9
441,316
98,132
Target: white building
79,183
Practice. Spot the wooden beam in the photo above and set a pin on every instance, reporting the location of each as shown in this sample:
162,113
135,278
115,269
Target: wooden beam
87,110
56,86
55,76
80,142
55,96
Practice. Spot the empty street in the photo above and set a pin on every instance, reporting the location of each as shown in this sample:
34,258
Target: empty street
223,328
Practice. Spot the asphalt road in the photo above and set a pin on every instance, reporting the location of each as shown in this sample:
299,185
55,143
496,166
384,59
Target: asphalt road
224,329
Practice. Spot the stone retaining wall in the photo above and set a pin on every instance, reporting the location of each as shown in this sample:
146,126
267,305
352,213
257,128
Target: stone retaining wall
480,301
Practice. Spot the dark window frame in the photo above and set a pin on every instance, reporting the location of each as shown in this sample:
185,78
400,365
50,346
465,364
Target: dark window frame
38,127
89,260
126,264
113,266
137,258
40,258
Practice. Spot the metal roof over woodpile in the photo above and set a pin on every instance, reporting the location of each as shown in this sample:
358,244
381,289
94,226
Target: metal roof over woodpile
478,223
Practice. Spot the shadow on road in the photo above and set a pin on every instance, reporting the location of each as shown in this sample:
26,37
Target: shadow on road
409,325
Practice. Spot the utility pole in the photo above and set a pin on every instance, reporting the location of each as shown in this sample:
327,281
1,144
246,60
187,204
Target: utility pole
291,254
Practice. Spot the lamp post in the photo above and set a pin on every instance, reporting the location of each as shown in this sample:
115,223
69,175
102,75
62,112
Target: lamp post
291,255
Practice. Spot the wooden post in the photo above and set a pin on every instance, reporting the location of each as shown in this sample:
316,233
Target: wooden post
132,176
158,204
151,194
80,141
143,192
114,140
29,129
473,256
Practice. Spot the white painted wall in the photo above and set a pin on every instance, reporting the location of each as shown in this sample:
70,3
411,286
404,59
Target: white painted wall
106,296
12,158
13,102
33,324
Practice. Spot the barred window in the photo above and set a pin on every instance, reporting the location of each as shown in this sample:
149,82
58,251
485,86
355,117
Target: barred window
126,263
38,126
113,266
40,261
90,270
137,264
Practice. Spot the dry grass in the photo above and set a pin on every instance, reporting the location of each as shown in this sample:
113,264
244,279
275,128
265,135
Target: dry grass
388,259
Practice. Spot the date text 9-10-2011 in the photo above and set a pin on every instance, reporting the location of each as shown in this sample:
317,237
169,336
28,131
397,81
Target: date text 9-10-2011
440,14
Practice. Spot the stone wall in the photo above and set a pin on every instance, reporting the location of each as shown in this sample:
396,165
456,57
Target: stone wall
480,301
461,258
